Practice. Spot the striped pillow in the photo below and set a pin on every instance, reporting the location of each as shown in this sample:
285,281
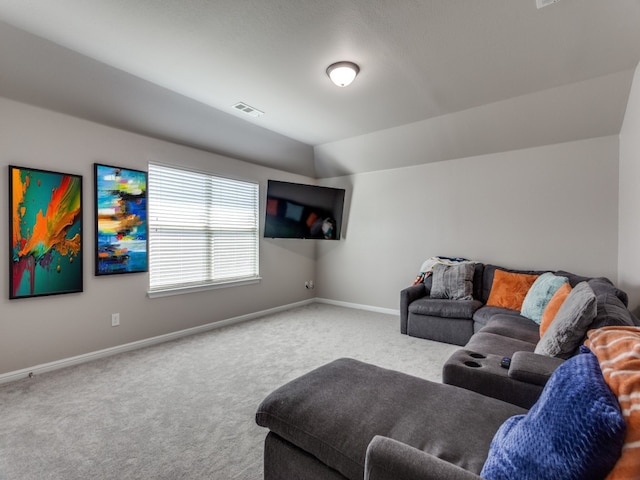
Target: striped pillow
454,282
618,351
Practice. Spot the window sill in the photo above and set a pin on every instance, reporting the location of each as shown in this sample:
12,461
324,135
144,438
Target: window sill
169,291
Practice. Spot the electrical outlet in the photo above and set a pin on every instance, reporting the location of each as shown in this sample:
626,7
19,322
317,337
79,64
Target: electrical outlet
115,319
306,284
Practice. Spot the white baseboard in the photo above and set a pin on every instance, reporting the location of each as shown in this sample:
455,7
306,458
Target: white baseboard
358,306
147,342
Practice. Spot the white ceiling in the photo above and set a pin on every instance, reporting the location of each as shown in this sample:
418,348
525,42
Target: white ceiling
173,69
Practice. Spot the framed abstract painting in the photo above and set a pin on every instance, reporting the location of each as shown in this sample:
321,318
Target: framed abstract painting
45,217
121,220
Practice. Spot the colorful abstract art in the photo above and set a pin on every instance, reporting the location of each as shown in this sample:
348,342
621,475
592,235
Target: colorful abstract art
121,220
46,232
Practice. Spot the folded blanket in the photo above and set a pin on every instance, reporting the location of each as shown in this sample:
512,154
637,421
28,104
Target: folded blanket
427,266
618,352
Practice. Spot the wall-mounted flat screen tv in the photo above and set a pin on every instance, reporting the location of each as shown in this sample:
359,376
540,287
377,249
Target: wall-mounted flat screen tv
295,210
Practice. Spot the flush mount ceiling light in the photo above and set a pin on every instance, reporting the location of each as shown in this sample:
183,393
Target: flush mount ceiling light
342,73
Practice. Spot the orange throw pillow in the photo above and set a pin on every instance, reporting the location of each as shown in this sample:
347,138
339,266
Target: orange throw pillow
553,306
509,289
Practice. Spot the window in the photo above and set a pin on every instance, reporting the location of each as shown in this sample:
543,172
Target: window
203,230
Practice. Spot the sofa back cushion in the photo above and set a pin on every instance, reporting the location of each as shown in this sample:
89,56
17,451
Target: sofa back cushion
477,281
600,285
574,431
611,312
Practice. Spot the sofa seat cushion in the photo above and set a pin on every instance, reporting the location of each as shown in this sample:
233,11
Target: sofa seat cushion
485,313
334,412
456,331
513,326
440,307
485,342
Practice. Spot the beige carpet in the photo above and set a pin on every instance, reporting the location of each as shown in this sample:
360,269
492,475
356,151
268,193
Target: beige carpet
185,409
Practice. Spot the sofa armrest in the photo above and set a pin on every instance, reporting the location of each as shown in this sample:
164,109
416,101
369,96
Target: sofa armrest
388,459
407,296
533,368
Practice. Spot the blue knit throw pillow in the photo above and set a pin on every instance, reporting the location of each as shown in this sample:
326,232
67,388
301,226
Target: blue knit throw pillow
574,431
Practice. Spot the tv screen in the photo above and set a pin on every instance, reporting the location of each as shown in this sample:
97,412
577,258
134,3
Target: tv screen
294,210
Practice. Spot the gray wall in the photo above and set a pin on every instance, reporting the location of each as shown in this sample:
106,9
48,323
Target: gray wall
552,207
545,207
40,330
629,257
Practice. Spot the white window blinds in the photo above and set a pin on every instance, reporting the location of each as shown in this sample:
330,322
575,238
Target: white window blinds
203,230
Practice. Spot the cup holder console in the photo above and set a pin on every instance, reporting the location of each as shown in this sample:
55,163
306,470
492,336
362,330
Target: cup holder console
469,363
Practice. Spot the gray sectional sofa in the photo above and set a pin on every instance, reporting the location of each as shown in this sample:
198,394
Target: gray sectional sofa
543,417
490,333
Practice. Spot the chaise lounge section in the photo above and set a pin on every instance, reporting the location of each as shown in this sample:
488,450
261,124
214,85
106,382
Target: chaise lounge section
352,420
321,424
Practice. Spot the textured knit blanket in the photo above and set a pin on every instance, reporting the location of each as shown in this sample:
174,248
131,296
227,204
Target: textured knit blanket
427,266
618,352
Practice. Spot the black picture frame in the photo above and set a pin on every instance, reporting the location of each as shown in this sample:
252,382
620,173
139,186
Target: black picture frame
45,232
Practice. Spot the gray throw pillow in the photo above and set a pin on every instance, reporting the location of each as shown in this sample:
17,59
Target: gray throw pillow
454,282
568,328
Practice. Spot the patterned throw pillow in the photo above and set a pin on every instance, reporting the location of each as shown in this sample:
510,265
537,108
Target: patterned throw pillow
618,351
573,432
454,282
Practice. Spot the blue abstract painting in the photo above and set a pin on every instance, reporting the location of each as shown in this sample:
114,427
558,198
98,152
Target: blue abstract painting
121,220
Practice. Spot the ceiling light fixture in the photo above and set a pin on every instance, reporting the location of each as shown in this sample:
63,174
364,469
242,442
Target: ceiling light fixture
342,73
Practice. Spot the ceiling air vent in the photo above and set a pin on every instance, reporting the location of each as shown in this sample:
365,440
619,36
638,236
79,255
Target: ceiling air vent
248,109
544,3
